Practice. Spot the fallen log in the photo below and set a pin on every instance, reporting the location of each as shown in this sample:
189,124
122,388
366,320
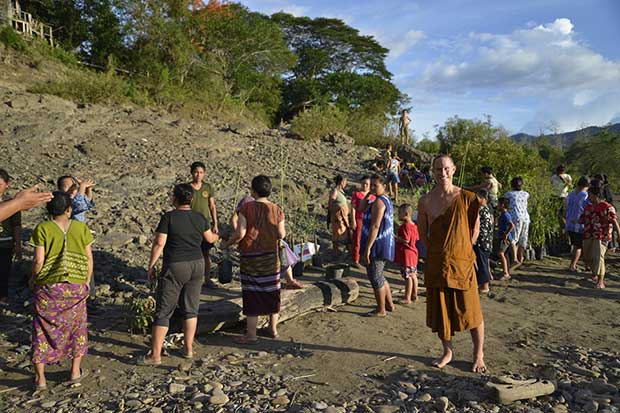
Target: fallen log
217,315
521,390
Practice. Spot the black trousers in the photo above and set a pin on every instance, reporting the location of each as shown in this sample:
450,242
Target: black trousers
6,262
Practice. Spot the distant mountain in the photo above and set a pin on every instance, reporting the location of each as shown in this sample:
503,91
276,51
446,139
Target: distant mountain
565,139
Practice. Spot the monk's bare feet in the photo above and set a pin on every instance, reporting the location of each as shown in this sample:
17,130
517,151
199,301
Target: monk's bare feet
479,366
442,362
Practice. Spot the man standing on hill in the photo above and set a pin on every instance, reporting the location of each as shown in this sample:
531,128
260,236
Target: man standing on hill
203,201
403,127
449,226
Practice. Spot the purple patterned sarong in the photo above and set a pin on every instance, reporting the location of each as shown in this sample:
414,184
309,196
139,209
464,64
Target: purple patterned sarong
59,325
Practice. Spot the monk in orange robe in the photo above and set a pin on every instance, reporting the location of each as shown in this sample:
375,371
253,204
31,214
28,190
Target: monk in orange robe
449,224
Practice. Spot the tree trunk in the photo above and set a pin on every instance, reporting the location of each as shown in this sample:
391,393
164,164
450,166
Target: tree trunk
214,316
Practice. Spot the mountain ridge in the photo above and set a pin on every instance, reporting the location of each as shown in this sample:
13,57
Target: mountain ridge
565,139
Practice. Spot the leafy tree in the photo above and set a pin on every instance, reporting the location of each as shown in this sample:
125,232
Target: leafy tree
249,50
428,145
474,143
104,39
335,65
599,154
65,16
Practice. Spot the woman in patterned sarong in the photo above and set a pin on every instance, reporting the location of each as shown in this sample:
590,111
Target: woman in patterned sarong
61,271
259,231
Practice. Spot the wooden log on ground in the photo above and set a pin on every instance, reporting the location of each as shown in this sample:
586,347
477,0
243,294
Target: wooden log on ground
217,315
527,389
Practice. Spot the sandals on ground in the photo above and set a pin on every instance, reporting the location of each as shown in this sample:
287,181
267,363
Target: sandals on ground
83,373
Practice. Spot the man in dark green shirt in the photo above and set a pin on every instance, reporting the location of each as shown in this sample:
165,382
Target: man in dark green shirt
204,202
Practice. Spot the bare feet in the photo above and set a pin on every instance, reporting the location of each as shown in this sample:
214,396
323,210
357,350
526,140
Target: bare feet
404,301
295,285
479,366
505,277
359,266
246,340
600,285
516,265
442,362
375,313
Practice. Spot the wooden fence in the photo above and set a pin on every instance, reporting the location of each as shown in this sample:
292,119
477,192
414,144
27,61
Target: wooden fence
24,23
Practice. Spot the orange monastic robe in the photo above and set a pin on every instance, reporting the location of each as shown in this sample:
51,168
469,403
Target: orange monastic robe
452,300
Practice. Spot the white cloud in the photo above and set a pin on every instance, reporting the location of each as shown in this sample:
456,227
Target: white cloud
274,6
599,112
399,45
548,62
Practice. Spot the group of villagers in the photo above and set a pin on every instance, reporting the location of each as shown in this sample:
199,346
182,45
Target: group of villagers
455,229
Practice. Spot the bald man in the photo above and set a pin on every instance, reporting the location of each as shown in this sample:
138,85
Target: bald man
449,224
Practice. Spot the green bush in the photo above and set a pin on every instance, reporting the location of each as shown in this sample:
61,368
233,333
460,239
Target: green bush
88,87
319,121
141,314
473,144
12,39
56,53
368,128
545,224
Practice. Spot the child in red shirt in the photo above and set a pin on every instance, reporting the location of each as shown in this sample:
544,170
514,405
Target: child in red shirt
407,253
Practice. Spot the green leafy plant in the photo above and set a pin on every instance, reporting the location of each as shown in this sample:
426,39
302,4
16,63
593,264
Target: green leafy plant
12,39
319,121
88,87
541,206
141,313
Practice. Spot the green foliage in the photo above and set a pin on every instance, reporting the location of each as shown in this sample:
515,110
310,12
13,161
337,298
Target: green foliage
368,127
599,154
12,39
204,57
553,154
104,35
65,16
56,53
141,314
319,121
474,143
545,224
335,65
249,53
428,145
89,87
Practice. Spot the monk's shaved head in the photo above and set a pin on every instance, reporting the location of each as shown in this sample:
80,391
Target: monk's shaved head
442,156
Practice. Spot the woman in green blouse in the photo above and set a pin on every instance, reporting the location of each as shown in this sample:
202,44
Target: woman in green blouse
61,271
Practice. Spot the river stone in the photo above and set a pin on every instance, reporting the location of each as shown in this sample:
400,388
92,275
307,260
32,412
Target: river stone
280,401
442,404
48,404
175,388
319,405
218,398
425,398
133,403
386,409
216,385
156,410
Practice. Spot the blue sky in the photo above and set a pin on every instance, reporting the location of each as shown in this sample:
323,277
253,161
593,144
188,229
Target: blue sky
533,65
